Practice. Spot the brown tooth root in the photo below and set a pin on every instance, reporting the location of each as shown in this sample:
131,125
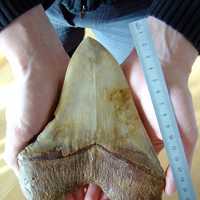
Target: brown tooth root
95,137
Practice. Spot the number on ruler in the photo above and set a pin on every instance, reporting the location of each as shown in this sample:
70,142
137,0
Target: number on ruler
144,44
182,179
171,137
174,148
179,169
158,91
184,189
176,158
155,80
167,126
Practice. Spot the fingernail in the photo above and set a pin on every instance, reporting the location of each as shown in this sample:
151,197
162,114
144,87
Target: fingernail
85,189
170,187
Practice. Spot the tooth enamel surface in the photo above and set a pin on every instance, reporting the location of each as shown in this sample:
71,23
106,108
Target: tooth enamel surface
96,136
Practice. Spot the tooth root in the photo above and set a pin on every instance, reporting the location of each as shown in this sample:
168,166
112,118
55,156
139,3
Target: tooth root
96,136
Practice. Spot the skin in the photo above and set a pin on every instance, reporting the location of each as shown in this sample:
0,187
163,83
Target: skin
39,62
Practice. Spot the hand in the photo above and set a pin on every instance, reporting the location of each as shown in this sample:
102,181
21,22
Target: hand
177,56
87,192
39,62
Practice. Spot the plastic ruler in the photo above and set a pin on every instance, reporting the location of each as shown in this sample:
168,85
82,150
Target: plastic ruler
163,107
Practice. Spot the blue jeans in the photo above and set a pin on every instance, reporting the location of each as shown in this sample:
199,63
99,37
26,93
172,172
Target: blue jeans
109,24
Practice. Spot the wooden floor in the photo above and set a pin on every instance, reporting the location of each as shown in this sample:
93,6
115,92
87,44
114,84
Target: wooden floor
9,188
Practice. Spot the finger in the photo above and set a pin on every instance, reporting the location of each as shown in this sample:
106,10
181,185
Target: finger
127,65
104,197
13,147
15,137
142,99
170,186
86,188
70,196
93,192
79,193
9,157
10,153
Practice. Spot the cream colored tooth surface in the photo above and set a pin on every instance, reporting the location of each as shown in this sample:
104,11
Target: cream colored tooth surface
96,136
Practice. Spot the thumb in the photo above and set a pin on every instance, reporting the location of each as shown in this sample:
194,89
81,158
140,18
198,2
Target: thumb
170,186
10,157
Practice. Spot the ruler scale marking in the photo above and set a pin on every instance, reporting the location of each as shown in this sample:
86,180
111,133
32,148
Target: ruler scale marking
163,108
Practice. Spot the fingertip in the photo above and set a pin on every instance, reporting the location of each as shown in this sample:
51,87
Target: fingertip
93,192
69,196
85,188
11,161
16,171
170,187
79,192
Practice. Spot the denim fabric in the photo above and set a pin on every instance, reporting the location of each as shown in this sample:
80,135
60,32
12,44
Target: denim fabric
108,22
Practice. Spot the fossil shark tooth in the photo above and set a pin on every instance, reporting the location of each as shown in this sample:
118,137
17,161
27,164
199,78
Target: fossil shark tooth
95,137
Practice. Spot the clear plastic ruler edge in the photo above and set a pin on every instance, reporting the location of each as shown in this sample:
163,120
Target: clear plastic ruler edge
163,107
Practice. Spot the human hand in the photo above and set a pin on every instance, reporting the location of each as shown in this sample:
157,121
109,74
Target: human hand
38,62
177,56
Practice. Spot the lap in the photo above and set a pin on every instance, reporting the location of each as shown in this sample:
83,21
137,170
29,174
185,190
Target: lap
111,31
116,37
69,36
